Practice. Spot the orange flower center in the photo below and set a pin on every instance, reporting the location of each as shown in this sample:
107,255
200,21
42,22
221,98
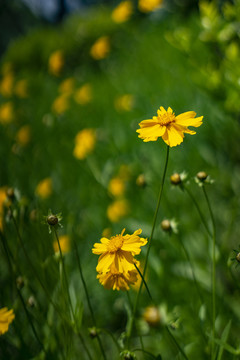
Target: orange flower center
166,118
115,243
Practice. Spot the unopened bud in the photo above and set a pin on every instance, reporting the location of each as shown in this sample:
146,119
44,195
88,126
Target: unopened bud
127,355
52,220
238,257
166,225
10,193
141,180
92,332
31,301
175,179
20,282
152,316
201,175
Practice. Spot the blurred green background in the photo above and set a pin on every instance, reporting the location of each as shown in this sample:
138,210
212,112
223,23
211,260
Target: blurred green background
90,69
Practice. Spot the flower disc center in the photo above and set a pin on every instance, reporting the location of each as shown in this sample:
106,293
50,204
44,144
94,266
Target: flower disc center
115,243
166,119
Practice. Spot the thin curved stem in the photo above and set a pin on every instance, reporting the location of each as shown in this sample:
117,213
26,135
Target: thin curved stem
213,271
88,299
149,247
148,291
176,343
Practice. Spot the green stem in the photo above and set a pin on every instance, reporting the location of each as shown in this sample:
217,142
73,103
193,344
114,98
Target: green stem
113,338
88,299
68,294
176,343
148,291
198,209
148,250
213,271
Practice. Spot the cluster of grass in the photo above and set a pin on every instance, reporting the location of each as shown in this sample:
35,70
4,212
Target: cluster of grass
140,72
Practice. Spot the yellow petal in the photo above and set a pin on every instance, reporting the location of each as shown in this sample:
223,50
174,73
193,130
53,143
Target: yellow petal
99,249
189,120
186,115
175,137
104,262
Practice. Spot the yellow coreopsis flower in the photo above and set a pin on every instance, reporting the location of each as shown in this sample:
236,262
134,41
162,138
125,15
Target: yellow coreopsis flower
6,317
66,86
6,85
44,188
168,126
23,135
119,251
60,104
6,113
122,12
83,95
64,241
149,5
116,186
21,88
56,62
85,142
100,48
3,198
116,280
117,210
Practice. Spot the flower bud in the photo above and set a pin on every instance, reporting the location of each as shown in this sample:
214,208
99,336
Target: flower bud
238,257
92,332
20,282
127,355
201,175
52,220
152,316
31,301
166,225
10,193
141,181
175,179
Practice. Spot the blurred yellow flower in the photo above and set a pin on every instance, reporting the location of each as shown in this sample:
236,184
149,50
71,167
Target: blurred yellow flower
83,95
149,5
44,188
168,126
85,142
66,86
116,186
6,113
107,232
6,85
116,280
56,62
152,316
122,12
21,89
124,102
64,241
23,135
60,104
119,252
3,198
100,49
6,317
117,210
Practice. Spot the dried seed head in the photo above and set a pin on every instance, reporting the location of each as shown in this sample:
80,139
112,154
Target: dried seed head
166,225
175,179
52,220
202,175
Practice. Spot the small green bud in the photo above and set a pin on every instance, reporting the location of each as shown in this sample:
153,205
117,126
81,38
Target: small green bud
20,282
238,257
10,193
92,332
141,181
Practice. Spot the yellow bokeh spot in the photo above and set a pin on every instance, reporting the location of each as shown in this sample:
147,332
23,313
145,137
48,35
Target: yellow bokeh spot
23,135
6,85
117,210
64,241
3,198
124,102
85,142
60,104
44,188
66,86
101,48
122,12
149,5
83,95
56,63
116,187
6,113
21,89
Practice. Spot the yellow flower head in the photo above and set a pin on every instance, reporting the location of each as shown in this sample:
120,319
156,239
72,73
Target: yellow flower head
85,142
119,251
124,102
6,317
100,48
23,135
3,198
149,5
21,89
116,187
64,241
66,86
83,95
116,280
152,316
6,113
56,63
6,85
117,210
44,188
60,104
122,12
168,126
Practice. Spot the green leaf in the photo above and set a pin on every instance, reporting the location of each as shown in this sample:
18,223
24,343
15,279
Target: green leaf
224,339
